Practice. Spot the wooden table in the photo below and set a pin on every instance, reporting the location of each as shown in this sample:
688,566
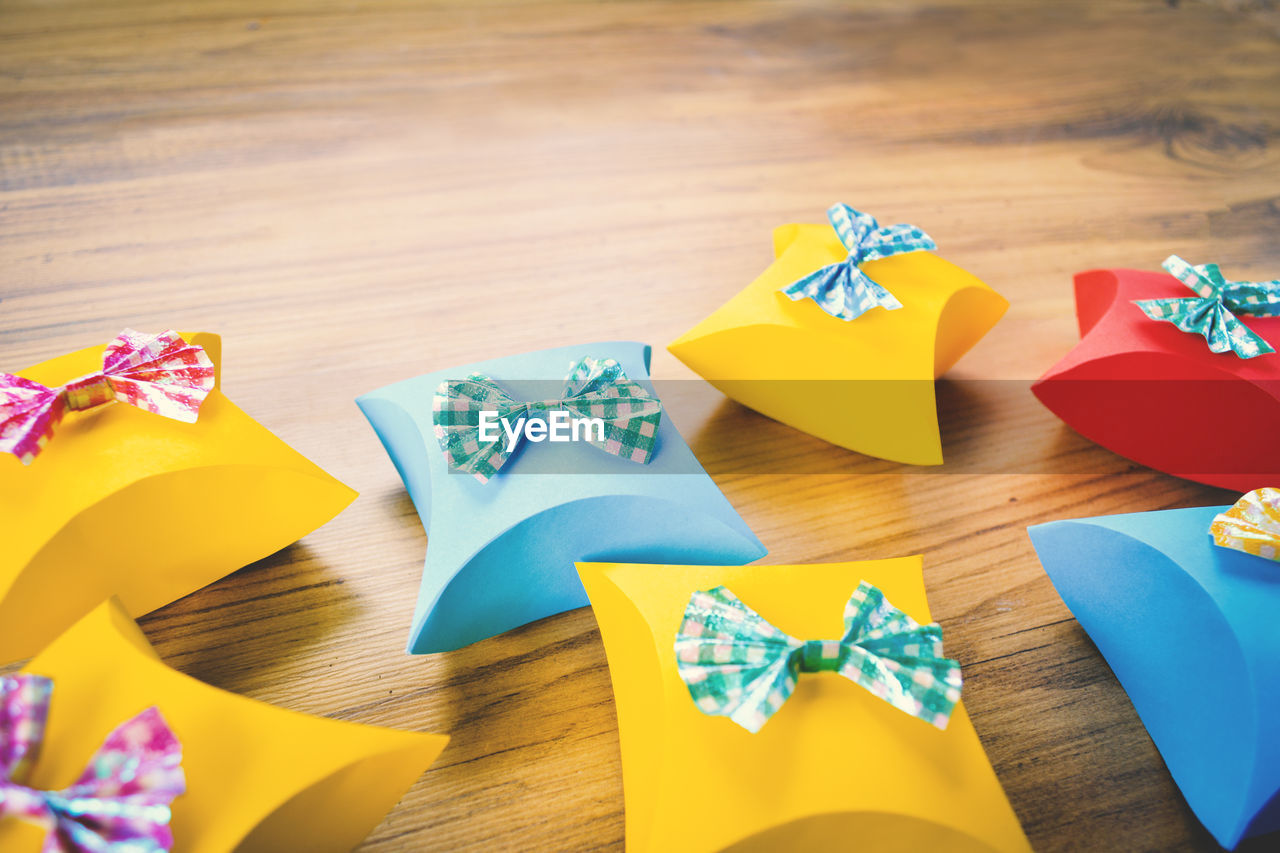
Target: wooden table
353,193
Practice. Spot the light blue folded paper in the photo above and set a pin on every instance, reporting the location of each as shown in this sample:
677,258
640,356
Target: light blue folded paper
501,554
1192,631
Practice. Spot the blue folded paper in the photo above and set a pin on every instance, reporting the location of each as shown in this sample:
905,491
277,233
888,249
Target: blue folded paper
501,554
1192,631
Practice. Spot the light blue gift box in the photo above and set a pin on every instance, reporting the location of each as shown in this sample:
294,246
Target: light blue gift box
501,554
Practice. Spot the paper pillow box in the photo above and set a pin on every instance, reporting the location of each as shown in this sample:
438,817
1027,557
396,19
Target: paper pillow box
500,554
1189,629
835,768
866,384
1157,395
259,779
128,503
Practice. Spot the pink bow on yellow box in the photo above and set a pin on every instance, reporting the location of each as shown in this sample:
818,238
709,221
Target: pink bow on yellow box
121,800
161,374
135,495
254,778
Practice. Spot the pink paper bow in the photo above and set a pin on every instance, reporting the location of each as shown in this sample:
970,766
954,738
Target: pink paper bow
121,801
162,374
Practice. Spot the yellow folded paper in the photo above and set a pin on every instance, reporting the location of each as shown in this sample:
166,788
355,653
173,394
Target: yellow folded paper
259,778
834,769
124,502
868,382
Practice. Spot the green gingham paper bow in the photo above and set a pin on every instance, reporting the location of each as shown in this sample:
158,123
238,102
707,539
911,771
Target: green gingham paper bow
737,665
1213,314
842,289
594,388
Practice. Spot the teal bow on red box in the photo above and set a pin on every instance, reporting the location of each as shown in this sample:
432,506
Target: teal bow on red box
162,374
842,289
1213,312
737,665
594,388
121,801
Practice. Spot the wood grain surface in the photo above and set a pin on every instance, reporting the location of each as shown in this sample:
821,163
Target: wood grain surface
353,192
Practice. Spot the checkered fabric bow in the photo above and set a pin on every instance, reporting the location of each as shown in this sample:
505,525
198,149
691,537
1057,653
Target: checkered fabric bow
737,665
162,374
120,802
842,289
1213,313
594,388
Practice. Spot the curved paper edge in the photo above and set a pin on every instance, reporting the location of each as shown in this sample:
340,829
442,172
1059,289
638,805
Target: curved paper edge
526,573
785,235
176,520
308,820
816,406
883,832
401,439
634,671
107,647
1175,654
1095,293
982,307
1095,399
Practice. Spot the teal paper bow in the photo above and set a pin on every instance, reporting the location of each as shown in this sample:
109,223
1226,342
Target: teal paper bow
1213,313
842,289
737,665
594,388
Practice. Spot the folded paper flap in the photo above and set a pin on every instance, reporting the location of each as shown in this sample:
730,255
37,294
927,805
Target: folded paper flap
1095,292
406,446
635,673
705,791
1111,324
785,373
785,235
466,592
244,759
883,832
1191,641
30,536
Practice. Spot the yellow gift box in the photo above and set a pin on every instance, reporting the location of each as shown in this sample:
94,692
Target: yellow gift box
864,384
124,502
834,769
259,778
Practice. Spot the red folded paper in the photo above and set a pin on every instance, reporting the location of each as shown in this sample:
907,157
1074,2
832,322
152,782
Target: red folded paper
1158,395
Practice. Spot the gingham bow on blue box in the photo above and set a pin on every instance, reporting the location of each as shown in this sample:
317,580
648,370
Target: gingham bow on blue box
737,665
594,388
842,289
1213,313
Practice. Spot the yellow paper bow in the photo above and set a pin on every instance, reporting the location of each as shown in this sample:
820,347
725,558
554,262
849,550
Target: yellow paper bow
1251,525
146,508
259,779
866,385
839,769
